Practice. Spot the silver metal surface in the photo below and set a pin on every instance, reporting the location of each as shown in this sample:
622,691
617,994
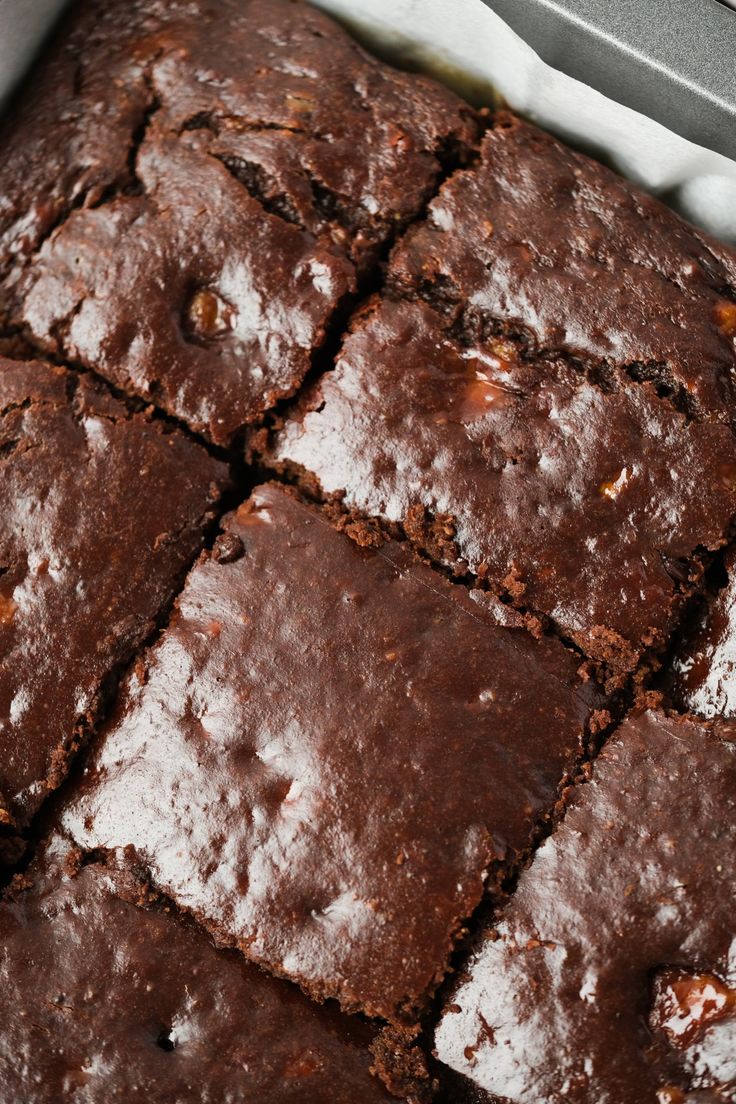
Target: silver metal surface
23,26
673,60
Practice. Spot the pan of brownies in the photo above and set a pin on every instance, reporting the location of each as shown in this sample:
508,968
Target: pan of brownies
367,587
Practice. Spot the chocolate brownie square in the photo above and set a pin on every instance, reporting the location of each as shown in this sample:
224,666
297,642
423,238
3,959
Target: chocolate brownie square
547,245
704,667
610,975
107,994
219,174
101,514
189,294
588,503
329,753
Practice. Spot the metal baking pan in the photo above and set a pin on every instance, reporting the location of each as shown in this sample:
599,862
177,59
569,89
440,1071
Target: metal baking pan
672,61
23,26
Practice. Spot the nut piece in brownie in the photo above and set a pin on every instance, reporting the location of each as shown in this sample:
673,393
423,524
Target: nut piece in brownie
611,975
328,751
705,665
255,157
584,503
101,512
546,244
108,995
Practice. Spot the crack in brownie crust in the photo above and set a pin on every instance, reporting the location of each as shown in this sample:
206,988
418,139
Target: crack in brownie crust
101,513
108,995
590,506
332,758
549,244
263,169
211,337
328,750
610,976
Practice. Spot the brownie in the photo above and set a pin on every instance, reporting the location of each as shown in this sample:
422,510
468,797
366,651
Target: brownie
255,160
704,666
190,294
101,514
590,504
329,751
610,975
547,245
109,995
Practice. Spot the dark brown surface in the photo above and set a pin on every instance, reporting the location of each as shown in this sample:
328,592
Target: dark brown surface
705,665
100,514
548,244
611,975
233,162
107,995
325,752
587,503
189,294
332,751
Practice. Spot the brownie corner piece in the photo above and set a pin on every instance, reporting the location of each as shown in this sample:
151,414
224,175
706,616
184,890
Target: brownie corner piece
609,975
589,504
109,994
358,749
101,512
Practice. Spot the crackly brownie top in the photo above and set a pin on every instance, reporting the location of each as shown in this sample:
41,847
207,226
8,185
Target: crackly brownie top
582,499
611,975
100,513
189,294
548,244
705,665
327,750
234,163
325,134
108,995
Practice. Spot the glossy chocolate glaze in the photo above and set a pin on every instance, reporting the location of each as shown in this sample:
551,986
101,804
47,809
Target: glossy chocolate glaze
327,750
611,975
246,151
108,995
544,242
586,502
101,512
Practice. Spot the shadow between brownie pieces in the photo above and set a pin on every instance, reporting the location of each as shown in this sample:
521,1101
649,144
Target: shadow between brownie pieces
328,751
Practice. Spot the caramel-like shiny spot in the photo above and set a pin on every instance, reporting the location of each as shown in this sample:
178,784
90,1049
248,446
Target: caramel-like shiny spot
613,487
7,610
670,1094
726,318
488,387
685,1004
482,395
299,104
207,315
